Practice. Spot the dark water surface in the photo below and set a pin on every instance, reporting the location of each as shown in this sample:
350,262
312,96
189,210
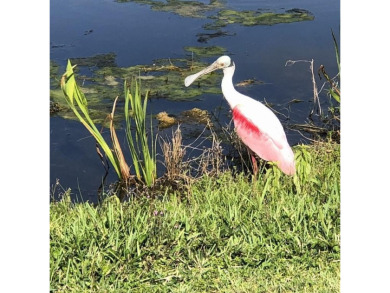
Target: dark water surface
138,35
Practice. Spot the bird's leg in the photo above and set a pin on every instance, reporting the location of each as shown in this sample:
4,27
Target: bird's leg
255,167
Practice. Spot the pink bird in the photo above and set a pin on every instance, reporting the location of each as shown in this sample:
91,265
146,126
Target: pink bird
256,125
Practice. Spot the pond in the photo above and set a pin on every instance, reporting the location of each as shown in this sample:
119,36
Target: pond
107,38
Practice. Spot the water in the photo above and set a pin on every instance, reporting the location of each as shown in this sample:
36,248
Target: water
138,35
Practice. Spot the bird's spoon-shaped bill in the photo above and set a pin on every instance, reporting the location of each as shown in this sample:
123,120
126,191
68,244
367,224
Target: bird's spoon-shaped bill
191,78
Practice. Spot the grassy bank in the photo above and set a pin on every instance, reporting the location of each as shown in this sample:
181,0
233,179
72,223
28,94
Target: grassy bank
229,234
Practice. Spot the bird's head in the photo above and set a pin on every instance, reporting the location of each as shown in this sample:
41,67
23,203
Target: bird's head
221,63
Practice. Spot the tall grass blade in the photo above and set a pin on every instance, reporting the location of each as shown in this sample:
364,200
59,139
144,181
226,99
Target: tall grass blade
335,92
335,95
337,51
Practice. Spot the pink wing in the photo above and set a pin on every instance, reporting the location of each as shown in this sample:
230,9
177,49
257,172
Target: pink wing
275,149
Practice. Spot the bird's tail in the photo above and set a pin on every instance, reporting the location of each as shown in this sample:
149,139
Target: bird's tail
286,162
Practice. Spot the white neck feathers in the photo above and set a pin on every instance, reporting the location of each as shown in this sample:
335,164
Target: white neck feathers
232,96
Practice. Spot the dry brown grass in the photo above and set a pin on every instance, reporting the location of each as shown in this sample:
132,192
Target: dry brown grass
182,171
173,153
124,168
212,160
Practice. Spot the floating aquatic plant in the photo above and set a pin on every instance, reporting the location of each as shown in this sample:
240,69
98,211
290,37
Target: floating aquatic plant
54,73
249,82
163,79
193,116
182,8
209,51
100,60
205,37
259,17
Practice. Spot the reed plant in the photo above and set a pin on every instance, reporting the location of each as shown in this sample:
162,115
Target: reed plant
79,105
334,90
144,157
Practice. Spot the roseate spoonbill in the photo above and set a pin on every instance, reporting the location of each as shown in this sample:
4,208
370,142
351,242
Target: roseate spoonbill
256,125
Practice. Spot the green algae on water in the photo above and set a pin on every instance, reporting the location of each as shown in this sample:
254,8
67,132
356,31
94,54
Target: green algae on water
164,78
103,81
206,51
196,9
259,17
100,60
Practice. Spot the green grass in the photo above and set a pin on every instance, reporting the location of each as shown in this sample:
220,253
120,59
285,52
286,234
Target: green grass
277,234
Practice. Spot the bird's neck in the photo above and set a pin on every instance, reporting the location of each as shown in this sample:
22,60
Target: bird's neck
232,96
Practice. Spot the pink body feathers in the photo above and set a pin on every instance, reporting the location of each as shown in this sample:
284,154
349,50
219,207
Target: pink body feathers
262,144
